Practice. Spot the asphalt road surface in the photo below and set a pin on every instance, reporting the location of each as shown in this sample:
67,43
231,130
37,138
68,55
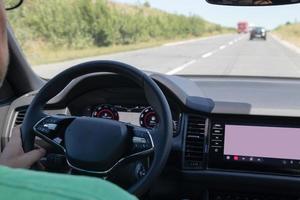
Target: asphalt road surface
219,55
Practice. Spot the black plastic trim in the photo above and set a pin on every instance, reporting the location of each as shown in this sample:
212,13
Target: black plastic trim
185,91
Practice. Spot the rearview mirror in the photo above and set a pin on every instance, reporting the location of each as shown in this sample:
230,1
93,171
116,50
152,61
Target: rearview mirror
12,4
252,2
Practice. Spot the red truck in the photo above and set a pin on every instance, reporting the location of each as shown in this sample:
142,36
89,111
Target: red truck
242,27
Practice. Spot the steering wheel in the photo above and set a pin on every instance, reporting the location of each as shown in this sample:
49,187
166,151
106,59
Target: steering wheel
98,146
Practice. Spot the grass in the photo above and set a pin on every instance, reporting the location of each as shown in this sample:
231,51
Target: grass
289,32
68,29
47,56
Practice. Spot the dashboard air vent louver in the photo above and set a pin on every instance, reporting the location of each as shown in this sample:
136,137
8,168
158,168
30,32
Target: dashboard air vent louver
175,127
194,142
20,116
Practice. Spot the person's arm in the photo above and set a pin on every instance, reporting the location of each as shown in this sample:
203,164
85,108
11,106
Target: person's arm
14,156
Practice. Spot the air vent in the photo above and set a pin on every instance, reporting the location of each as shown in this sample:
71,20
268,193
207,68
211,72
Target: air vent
20,116
175,127
194,142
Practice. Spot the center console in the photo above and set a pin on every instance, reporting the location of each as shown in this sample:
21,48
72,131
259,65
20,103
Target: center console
249,143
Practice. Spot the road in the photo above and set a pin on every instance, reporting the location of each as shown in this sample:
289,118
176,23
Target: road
219,55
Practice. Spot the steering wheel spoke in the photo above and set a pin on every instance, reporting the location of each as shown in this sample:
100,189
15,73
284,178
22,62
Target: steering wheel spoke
141,143
51,129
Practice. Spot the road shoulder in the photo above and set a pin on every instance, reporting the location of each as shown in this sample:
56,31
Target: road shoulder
286,43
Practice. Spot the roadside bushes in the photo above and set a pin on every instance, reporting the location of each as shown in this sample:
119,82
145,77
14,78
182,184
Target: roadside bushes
79,24
289,32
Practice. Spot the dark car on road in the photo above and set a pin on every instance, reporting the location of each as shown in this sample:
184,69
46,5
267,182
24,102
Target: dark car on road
258,32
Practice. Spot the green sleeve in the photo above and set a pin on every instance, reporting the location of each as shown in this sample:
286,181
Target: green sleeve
31,185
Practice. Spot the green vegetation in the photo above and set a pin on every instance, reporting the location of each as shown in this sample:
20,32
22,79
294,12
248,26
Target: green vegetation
76,26
289,32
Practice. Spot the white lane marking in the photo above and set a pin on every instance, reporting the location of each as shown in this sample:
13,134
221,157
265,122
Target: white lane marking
222,47
207,54
193,40
185,65
180,68
181,42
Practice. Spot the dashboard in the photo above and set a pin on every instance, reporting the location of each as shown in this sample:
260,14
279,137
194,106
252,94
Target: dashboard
242,144
138,115
236,142
218,140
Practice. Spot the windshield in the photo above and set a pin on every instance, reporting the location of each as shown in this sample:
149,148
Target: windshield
189,37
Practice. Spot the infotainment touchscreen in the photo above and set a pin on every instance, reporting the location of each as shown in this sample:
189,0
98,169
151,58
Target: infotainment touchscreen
250,145
259,142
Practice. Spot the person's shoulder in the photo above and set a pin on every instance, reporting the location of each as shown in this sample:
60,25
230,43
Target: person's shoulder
31,185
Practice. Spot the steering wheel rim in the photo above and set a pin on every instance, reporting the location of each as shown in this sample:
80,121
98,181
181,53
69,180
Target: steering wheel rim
153,94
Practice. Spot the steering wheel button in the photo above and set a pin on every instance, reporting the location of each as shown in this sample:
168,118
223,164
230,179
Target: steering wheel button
139,140
58,140
51,127
43,130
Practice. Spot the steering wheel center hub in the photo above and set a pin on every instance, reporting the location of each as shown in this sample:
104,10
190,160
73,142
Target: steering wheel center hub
85,136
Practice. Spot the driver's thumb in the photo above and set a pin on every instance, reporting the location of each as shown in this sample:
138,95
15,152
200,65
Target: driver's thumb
33,156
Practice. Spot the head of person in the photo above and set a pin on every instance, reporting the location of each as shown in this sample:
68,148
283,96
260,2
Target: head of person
4,57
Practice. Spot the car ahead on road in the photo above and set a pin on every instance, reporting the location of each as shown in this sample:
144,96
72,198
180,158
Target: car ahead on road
173,129
258,32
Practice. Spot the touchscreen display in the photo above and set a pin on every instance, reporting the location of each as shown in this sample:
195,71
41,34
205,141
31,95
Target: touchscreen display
261,141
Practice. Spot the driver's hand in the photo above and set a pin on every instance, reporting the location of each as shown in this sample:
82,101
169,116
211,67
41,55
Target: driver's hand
14,156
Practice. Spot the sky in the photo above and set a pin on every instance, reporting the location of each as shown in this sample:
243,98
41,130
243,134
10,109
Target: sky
269,17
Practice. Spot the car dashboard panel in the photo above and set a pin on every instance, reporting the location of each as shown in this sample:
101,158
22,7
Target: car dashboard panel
219,141
209,141
128,107
138,115
239,155
129,114
241,143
